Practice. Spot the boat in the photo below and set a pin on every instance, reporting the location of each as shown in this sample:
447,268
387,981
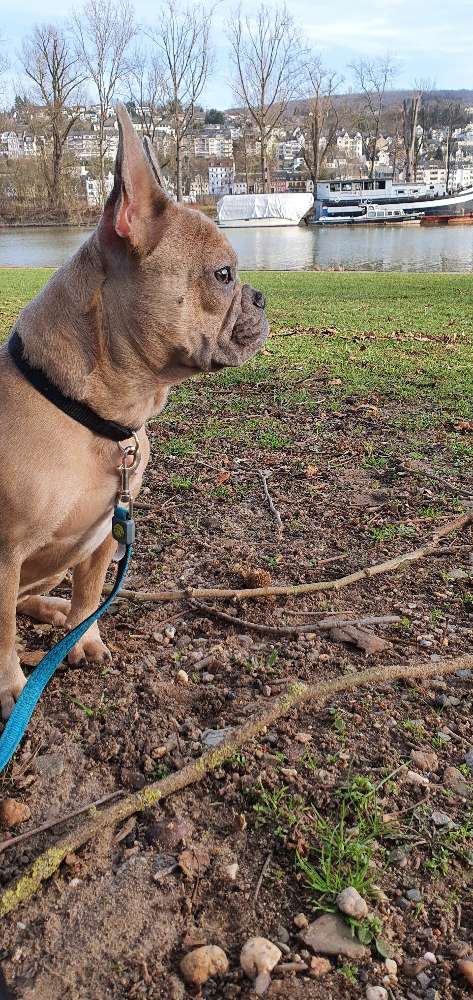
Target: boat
375,216
348,200
242,211
448,220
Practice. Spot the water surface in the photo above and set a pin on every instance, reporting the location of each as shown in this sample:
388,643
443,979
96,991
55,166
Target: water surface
373,248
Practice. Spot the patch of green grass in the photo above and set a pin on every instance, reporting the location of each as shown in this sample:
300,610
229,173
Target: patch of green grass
181,482
406,335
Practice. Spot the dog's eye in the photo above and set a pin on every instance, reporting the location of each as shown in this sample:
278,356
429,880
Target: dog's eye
224,275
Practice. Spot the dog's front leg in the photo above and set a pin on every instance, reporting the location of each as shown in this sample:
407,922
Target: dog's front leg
12,678
87,582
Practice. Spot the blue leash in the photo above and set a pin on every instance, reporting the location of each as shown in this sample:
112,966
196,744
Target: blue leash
123,531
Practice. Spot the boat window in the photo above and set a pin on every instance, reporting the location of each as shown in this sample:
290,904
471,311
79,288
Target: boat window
382,185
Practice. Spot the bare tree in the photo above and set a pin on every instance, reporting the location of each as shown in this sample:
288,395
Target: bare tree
147,90
183,59
373,77
50,62
103,30
412,141
322,118
266,55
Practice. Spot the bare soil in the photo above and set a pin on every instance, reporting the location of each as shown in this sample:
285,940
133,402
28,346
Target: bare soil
353,479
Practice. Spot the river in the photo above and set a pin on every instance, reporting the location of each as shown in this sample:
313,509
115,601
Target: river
370,248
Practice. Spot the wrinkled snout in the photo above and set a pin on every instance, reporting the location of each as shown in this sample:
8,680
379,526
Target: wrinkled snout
251,326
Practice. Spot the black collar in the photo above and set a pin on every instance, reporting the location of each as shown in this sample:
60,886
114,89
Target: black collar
75,409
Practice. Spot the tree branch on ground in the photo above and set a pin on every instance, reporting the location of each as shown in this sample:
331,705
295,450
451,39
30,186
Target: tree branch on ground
297,694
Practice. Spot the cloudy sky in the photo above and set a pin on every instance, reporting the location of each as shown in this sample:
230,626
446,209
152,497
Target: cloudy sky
429,39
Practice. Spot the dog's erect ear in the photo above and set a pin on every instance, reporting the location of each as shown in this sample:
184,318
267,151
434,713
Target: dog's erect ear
137,198
153,161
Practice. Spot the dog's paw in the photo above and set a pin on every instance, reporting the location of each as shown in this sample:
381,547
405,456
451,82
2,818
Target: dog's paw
12,683
90,649
51,610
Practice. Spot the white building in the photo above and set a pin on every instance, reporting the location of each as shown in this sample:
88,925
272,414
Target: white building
213,145
351,146
431,173
92,187
221,178
10,145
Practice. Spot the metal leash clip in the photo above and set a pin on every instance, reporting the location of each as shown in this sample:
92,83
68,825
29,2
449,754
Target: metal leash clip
123,525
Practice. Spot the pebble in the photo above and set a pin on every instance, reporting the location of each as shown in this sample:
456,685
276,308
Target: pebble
202,963
441,819
301,921
430,957
207,678
469,759
169,631
282,934
465,968
330,935
213,737
425,760
49,765
303,737
412,966
231,871
350,902
453,778
414,778
391,967
319,966
13,812
414,895
423,979
376,993
257,959
182,677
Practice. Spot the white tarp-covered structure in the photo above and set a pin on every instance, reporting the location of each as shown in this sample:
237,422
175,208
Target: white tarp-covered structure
239,207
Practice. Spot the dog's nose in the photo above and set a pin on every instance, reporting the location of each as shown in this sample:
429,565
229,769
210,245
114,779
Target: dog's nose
258,299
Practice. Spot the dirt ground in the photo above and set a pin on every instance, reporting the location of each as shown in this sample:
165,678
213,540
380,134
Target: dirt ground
355,480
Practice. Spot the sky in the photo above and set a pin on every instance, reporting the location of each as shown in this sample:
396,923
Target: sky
428,39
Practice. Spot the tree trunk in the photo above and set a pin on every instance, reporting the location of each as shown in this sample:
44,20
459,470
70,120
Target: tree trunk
178,169
264,176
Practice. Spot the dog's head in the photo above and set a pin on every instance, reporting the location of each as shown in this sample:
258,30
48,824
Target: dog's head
173,272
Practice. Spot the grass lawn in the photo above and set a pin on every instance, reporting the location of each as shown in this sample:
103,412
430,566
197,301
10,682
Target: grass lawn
406,335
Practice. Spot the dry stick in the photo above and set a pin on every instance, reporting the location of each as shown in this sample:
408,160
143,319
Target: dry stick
47,863
264,475
160,596
55,822
323,625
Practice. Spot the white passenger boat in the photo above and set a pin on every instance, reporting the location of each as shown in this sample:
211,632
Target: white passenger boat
374,215
241,211
347,201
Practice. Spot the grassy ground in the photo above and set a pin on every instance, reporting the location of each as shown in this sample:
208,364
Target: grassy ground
406,335
358,411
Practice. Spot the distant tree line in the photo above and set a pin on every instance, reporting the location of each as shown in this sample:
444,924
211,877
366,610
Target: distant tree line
161,69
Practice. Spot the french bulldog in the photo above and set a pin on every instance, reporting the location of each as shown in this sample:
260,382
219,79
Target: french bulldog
152,298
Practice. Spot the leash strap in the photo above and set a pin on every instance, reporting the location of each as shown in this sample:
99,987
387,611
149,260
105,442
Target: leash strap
18,722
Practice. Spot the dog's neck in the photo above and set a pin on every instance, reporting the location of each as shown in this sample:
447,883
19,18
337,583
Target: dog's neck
81,331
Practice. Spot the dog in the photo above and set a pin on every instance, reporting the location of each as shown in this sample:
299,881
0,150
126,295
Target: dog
152,298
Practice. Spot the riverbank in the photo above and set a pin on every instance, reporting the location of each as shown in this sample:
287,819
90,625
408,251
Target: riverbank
358,412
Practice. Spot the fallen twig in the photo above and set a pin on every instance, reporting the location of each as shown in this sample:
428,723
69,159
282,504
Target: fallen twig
47,863
260,880
55,822
264,476
323,625
161,596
